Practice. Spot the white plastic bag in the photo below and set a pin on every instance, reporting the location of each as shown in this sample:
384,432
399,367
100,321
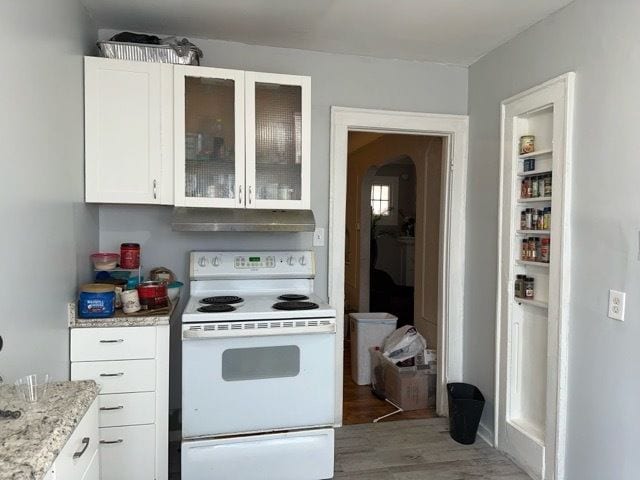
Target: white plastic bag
403,344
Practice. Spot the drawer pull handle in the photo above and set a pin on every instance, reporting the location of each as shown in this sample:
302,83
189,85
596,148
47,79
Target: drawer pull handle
85,443
119,407
111,442
119,374
119,340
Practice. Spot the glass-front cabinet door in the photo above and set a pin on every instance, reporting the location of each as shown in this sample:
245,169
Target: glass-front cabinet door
209,137
278,113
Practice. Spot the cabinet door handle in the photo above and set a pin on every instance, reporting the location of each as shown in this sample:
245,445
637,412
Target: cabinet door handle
250,192
119,407
155,189
240,194
85,445
119,374
119,340
111,442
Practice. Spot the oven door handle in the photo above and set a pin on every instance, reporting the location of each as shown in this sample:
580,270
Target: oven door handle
258,332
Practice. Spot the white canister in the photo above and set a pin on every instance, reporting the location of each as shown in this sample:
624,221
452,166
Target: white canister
130,301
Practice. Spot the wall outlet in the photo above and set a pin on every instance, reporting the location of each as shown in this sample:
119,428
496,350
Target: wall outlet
616,305
318,237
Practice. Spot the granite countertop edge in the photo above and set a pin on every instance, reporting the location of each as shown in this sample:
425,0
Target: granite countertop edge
30,444
142,321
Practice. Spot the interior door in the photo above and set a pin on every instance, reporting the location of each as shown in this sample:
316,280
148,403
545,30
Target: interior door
209,137
278,134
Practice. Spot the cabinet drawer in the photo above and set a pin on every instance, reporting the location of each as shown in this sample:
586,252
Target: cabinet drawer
76,455
121,409
128,453
125,343
123,376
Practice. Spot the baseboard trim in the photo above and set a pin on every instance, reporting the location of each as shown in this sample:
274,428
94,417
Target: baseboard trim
485,434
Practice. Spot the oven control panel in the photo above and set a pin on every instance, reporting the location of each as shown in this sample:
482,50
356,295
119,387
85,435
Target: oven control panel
244,261
252,264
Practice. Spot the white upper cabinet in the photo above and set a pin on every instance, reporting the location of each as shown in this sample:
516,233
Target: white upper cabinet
196,136
278,140
209,137
127,106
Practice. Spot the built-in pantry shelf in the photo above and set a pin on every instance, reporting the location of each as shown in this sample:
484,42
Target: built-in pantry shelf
535,173
537,153
532,264
534,232
529,428
533,303
534,213
534,200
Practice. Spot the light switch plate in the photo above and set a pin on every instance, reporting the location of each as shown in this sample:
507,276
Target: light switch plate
616,305
318,237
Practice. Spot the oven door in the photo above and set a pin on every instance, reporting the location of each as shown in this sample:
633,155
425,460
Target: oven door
247,384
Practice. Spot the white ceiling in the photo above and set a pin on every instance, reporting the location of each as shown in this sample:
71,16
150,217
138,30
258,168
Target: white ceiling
446,31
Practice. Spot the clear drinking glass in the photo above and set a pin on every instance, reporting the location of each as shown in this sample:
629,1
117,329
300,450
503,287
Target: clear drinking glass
32,388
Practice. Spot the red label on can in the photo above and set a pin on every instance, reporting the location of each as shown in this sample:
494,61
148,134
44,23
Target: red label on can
130,256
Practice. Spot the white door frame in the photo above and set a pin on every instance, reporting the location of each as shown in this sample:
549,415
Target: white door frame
455,131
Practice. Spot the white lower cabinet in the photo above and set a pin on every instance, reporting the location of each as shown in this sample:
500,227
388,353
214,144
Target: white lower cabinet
79,459
127,453
93,470
133,406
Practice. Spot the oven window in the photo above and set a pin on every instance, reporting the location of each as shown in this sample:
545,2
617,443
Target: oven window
260,362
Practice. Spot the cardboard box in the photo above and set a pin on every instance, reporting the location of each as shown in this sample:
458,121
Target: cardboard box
410,388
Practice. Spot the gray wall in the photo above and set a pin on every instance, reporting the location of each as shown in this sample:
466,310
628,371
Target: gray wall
599,40
47,231
343,80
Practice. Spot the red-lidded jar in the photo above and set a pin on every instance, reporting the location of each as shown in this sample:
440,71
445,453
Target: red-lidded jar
130,256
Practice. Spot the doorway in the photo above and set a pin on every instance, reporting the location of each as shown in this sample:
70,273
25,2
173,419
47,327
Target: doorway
453,132
392,209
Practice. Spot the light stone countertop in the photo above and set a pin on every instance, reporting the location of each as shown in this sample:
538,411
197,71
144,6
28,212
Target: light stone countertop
30,444
120,320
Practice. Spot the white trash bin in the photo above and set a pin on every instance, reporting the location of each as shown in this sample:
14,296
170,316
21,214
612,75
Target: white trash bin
367,330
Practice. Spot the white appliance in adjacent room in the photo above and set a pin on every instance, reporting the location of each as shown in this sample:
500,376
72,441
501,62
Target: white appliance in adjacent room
258,369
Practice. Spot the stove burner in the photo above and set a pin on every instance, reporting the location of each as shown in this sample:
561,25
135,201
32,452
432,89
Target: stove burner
295,305
222,300
291,297
216,308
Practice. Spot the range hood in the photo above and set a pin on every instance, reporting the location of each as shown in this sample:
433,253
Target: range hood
188,219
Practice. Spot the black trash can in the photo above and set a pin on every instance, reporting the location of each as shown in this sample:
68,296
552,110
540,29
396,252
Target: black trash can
465,409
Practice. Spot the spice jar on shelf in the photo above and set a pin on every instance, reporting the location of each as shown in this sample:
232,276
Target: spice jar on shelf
529,288
524,251
546,221
519,286
545,250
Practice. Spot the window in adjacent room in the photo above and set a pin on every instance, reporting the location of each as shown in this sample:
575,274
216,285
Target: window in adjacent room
384,196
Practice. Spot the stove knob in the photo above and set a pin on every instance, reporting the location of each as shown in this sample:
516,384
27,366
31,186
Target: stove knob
291,261
202,261
216,261
303,261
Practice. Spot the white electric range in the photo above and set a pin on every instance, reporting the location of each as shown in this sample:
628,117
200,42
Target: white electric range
258,369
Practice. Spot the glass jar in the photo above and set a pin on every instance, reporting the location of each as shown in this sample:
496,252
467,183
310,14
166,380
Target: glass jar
529,288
